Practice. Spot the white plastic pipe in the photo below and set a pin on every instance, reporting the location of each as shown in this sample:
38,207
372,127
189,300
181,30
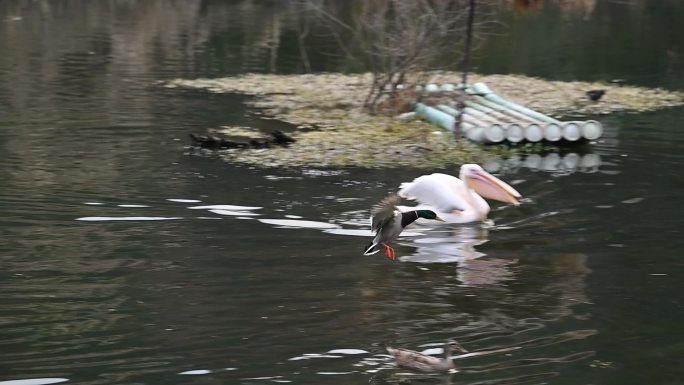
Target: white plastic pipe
572,131
515,115
592,130
470,114
534,132
476,134
515,133
497,116
489,111
480,115
489,131
435,116
495,133
481,88
553,132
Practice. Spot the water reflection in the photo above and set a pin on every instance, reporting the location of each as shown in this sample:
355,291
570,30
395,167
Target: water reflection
34,381
298,224
448,245
458,245
585,8
106,219
199,372
225,207
554,163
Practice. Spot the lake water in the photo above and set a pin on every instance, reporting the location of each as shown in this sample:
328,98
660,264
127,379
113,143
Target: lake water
125,260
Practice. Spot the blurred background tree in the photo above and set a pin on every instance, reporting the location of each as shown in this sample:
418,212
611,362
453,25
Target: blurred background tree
397,41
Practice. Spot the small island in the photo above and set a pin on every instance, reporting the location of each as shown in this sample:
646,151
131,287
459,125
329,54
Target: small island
333,128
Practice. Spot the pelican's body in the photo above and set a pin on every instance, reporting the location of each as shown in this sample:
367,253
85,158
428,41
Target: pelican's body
422,362
458,200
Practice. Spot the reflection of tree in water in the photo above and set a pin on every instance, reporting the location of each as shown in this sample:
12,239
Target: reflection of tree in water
584,7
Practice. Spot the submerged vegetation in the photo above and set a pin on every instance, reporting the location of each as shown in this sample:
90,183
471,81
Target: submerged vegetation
335,130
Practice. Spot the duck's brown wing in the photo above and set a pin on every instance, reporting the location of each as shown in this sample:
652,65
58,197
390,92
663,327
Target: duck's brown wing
383,212
418,361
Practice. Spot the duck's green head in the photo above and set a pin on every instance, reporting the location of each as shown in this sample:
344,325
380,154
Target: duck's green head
428,214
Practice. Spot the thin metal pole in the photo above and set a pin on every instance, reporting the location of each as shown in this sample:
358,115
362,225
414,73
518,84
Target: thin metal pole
468,42
460,106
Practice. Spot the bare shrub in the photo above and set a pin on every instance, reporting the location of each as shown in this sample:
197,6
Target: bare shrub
396,40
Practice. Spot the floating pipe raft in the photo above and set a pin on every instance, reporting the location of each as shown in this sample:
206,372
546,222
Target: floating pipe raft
489,118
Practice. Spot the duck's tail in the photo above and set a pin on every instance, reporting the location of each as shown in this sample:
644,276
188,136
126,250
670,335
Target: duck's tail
371,249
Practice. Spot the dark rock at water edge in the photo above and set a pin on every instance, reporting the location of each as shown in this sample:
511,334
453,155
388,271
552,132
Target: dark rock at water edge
277,138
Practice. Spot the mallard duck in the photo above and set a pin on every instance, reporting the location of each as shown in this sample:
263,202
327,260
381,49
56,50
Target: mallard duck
422,362
387,223
458,200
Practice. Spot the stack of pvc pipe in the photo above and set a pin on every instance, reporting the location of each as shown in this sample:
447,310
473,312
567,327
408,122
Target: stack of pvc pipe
489,118
435,116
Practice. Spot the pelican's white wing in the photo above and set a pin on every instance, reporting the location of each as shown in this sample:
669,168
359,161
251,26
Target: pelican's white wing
441,191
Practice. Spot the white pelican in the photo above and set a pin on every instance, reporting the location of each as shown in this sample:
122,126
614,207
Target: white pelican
458,200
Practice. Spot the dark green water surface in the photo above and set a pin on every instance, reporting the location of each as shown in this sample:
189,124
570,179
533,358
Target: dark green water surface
108,275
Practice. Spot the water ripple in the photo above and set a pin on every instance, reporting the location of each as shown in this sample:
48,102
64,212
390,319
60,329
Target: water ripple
34,381
139,218
528,362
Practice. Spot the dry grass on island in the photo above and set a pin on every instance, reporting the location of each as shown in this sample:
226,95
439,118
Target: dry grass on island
336,131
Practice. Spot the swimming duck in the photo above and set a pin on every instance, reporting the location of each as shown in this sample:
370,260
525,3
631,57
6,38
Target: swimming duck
458,200
387,223
422,362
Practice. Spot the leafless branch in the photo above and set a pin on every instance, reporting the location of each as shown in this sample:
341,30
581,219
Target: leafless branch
395,39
